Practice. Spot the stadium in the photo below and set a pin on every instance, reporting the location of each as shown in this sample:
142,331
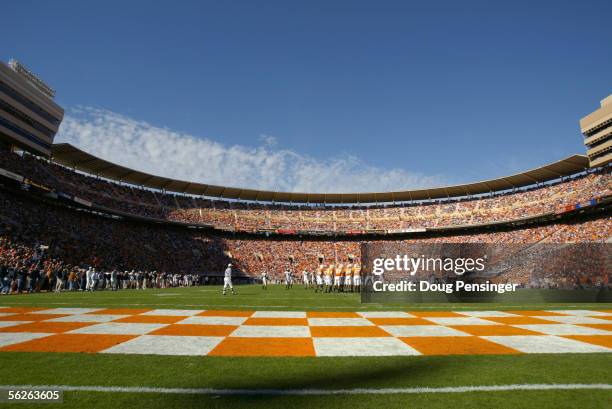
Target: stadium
69,221
123,288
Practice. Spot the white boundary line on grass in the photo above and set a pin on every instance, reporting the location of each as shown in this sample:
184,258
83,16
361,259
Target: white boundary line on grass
303,392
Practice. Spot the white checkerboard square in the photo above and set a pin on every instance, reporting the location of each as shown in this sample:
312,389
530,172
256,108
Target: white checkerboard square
461,321
583,313
545,344
339,322
10,338
423,331
214,320
578,319
279,314
5,324
385,314
88,318
487,314
272,331
71,311
166,345
174,313
118,328
362,347
563,329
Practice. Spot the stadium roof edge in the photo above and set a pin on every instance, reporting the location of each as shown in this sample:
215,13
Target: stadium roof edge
73,157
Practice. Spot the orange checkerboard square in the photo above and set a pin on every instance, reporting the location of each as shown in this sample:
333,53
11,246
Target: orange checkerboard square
328,314
31,317
225,313
120,311
605,327
400,321
519,320
602,340
348,332
491,330
276,321
457,346
43,327
436,314
150,319
264,347
196,330
69,343
537,313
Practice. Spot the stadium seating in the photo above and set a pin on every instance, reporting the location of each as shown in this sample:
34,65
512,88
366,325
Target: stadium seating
75,240
239,216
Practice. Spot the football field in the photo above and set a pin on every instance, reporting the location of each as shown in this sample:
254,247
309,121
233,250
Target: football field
194,347
252,297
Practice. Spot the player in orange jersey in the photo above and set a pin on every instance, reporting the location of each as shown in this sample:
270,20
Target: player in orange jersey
329,272
348,277
338,271
357,277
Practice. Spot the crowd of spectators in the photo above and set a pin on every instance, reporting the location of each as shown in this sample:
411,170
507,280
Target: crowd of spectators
43,244
79,238
557,266
31,269
52,247
514,205
241,216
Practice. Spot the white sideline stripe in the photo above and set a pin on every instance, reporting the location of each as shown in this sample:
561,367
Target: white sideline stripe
301,392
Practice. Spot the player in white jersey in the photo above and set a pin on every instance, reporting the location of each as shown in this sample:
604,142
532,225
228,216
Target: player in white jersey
329,278
319,279
264,280
227,280
305,279
288,279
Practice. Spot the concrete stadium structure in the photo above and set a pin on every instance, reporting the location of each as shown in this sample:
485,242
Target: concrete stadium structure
597,130
29,118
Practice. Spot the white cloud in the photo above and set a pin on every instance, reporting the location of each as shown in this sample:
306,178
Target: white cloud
268,140
160,151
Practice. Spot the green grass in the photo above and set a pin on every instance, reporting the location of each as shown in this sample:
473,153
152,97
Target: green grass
296,373
293,373
320,373
501,400
251,297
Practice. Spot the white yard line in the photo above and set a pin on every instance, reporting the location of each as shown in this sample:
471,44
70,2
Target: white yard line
302,392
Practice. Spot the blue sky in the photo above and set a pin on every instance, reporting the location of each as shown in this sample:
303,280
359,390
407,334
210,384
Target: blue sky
420,92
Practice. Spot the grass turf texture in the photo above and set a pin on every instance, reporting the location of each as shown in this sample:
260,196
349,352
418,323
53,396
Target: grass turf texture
508,399
296,373
319,373
252,297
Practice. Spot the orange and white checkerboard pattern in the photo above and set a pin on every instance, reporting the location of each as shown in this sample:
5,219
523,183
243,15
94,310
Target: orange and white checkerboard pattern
299,333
